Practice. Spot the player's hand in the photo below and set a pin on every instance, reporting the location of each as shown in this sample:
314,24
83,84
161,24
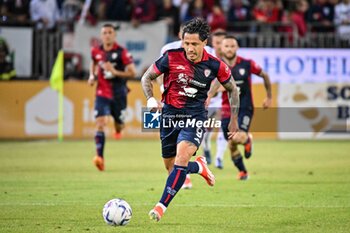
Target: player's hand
233,128
207,102
161,88
91,80
107,66
109,71
267,103
153,105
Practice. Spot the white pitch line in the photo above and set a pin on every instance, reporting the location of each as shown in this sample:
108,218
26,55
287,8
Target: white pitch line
180,205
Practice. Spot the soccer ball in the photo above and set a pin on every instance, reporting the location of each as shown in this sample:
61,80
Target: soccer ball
117,212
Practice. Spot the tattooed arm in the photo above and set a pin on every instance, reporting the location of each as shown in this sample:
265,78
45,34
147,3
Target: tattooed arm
147,86
215,87
146,81
267,84
233,97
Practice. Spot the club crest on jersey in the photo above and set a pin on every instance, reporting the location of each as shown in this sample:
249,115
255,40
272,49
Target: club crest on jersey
207,72
180,67
182,79
241,71
114,55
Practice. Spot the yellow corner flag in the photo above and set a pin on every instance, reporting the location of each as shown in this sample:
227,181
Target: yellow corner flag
56,83
56,79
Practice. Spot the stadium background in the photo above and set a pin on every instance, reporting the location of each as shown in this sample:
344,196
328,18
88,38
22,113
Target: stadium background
310,86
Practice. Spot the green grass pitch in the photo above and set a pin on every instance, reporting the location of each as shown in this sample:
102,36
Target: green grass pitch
294,186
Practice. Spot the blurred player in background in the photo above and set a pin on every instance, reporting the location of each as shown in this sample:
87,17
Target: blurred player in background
7,70
241,70
111,65
215,102
187,73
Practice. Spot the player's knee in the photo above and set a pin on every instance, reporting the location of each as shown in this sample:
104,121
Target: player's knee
240,138
236,139
235,154
181,160
101,127
233,146
184,152
101,124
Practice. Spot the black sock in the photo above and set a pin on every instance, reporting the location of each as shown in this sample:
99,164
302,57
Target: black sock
238,162
100,143
192,167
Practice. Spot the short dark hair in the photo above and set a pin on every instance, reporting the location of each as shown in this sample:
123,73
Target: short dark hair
219,33
230,36
197,26
109,25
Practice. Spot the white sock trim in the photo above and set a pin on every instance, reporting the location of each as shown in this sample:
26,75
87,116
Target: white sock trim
200,167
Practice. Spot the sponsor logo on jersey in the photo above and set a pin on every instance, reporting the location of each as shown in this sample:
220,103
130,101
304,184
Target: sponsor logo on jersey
189,92
198,84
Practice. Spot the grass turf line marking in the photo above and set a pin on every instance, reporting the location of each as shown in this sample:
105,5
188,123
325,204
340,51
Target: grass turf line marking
180,205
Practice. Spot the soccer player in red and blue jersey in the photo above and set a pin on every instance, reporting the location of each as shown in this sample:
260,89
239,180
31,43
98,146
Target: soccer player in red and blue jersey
112,65
188,73
241,70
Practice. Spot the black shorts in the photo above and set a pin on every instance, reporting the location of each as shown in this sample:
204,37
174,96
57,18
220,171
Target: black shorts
171,135
244,120
115,107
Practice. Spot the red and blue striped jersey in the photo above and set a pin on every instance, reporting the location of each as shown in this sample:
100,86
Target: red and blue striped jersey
120,58
186,83
241,73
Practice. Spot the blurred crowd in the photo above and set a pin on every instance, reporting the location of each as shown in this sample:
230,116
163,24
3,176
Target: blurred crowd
232,15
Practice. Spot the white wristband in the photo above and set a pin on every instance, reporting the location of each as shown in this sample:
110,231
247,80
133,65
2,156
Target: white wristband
152,103
161,88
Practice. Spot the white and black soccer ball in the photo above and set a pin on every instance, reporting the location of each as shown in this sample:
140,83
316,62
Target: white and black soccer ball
117,212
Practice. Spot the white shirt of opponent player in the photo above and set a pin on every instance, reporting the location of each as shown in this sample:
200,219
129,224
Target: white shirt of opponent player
342,19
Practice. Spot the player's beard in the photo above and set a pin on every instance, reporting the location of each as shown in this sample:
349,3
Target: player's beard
109,43
192,56
230,58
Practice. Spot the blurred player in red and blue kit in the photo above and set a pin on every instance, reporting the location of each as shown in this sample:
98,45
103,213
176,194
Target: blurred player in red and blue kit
241,70
188,73
111,65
